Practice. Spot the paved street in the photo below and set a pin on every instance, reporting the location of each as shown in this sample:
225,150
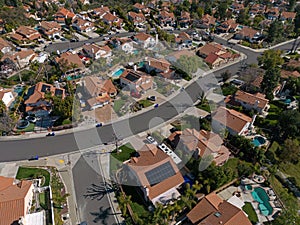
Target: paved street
93,203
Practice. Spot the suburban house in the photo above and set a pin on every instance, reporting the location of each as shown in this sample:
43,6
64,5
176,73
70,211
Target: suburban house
272,13
62,14
82,25
249,101
209,48
101,11
100,91
35,101
138,7
166,17
287,16
95,51
112,20
15,200
155,173
184,19
5,47
235,122
237,7
136,18
50,29
159,66
6,96
257,9
25,34
248,34
183,39
200,144
286,74
69,63
213,210
20,59
124,44
228,26
137,82
207,21
145,40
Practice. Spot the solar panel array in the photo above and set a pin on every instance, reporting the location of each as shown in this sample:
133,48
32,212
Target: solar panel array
160,173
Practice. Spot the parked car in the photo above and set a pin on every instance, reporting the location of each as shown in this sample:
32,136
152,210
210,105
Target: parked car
151,140
51,134
99,125
151,98
156,105
34,158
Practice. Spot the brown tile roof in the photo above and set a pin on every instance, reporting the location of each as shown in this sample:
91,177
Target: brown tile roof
101,10
137,16
99,99
95,85
208,19
150,158
231,118
204,213
287,74
251,99
257,81
210,48
288,15
248,32
142,36
166,14
27,32
211,58
39,94
160,64
3,43
64,12
69,58
139,6
293,64
21,55
12,200
49,25
109,17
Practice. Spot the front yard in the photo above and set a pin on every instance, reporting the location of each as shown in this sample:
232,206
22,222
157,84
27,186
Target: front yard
124,153
33,173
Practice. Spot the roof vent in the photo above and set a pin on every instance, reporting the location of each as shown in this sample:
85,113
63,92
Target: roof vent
218,214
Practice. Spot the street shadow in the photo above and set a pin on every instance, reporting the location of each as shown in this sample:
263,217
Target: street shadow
102,215
98,191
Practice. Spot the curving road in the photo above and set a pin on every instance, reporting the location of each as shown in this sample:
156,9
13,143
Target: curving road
14,150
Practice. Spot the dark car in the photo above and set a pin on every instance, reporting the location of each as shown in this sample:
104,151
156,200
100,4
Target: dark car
50,134
156,105
99,125
151,98
34,158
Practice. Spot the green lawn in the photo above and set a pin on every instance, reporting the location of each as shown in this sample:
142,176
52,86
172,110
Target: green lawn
291,170
42,198
250,212
29,173
30,128
145,103
116,159
118,104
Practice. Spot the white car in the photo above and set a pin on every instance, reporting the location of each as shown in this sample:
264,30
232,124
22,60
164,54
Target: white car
151,140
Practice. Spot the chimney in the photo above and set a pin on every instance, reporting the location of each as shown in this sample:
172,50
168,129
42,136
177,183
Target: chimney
101,6
156,39
93,51
114,13
142,3
135,67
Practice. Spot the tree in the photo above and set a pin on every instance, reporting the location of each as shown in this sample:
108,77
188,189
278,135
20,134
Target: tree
2,108
6,123
221,10
291,5
225,75
124,200
289,124
290,151
243,17
275,32
271,58
270,81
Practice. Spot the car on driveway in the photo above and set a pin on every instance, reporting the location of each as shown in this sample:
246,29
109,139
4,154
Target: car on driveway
99,125
151,140
151,98
51,134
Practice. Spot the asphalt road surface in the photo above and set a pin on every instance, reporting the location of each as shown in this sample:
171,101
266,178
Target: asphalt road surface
93,204
14,150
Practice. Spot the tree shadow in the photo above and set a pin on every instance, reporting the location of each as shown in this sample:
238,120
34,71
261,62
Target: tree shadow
97,192
102,215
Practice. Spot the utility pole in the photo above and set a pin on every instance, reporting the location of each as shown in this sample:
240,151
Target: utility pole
116,138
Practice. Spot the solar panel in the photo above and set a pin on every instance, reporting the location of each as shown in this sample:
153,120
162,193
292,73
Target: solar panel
160,173
45,88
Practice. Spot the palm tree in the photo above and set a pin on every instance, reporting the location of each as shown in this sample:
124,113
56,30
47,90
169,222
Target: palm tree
124,200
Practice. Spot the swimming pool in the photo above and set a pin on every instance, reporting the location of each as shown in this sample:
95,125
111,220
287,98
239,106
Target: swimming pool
260,195
248,187
118,73
258,140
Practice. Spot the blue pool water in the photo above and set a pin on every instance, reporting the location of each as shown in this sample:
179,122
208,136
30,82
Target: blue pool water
260,195
258,140
248,187
118,73
135,52
141,64
287,101
73,77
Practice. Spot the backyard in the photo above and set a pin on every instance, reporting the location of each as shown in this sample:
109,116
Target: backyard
250,212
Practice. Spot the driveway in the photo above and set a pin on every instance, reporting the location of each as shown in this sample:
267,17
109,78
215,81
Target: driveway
93,205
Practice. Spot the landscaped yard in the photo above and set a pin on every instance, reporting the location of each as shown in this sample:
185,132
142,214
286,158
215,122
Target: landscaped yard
118,104
250,212
30,128
116,159
145,103
30,173
163,87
